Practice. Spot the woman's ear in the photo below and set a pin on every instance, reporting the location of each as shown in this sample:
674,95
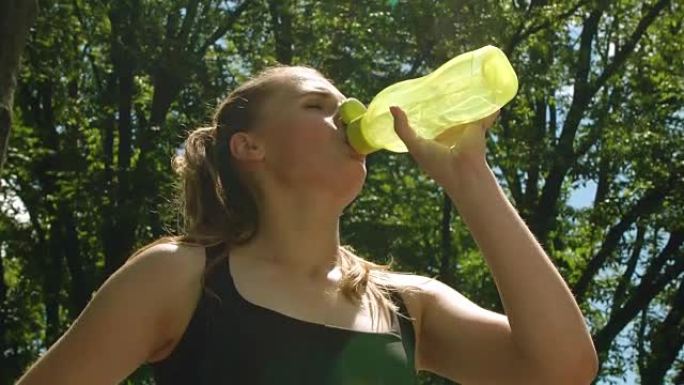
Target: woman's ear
245,147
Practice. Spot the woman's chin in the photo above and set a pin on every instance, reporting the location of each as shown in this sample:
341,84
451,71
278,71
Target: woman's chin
348,186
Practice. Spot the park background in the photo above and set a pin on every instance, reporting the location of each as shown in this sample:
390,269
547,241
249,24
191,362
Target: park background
589,151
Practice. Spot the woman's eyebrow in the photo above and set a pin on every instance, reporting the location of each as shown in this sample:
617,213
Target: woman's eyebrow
324,94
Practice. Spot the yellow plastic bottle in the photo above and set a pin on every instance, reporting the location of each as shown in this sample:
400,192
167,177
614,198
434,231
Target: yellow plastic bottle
465,89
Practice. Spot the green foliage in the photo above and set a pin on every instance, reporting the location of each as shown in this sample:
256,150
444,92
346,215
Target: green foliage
108,90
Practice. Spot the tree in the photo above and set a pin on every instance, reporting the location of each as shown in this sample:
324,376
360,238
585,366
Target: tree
108,89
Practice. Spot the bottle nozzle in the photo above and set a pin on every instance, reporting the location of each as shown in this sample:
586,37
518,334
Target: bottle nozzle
351,112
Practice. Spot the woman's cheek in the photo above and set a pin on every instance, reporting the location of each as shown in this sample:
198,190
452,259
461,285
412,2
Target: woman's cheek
300,146
306,136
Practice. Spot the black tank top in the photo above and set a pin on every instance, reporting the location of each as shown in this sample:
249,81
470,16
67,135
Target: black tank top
230,340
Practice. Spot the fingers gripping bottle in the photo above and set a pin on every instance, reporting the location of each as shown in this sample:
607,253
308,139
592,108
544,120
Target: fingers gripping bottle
465,89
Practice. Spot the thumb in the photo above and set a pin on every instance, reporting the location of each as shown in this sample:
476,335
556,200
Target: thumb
402,127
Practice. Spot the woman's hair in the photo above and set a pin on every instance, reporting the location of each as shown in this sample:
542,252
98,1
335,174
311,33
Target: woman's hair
217,206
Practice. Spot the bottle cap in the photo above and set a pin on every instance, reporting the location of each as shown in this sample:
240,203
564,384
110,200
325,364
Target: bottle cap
351,112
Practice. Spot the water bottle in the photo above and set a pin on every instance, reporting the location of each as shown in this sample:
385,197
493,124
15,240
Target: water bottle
465,89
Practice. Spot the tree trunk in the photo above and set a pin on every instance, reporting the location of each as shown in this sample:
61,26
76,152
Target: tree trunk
16,17
281,24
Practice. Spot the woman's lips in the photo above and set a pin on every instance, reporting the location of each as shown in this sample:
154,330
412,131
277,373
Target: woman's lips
355,154
352,151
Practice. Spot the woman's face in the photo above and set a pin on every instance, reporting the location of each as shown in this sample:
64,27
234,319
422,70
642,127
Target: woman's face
305,146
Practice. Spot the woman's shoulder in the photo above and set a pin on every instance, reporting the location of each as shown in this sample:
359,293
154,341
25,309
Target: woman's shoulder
175,262
175,270
414,290
409,284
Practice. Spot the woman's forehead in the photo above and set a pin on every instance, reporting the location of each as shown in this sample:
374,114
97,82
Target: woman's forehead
317,86
292,89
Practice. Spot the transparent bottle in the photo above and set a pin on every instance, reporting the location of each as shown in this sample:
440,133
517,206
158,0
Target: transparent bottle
465,89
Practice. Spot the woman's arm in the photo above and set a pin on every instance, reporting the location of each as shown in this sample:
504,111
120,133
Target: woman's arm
542,339
128,319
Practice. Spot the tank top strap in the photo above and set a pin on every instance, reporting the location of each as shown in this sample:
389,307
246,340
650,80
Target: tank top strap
213,259
406,330
217,285
214,253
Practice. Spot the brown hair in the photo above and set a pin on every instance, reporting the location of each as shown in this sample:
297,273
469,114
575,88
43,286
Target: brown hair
217,206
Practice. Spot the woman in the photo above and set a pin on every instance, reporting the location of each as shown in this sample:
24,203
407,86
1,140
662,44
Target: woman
259,290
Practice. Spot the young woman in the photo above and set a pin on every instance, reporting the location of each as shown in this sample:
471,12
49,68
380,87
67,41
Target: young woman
258,290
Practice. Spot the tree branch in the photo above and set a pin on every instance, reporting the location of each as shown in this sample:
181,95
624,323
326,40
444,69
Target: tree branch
621,290
647,204
651,284
223,28
622,55
523,31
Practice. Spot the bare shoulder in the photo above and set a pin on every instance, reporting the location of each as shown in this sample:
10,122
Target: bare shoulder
131,318
423,292
171,270
412,285
176,270
169,261
414,289
410,281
